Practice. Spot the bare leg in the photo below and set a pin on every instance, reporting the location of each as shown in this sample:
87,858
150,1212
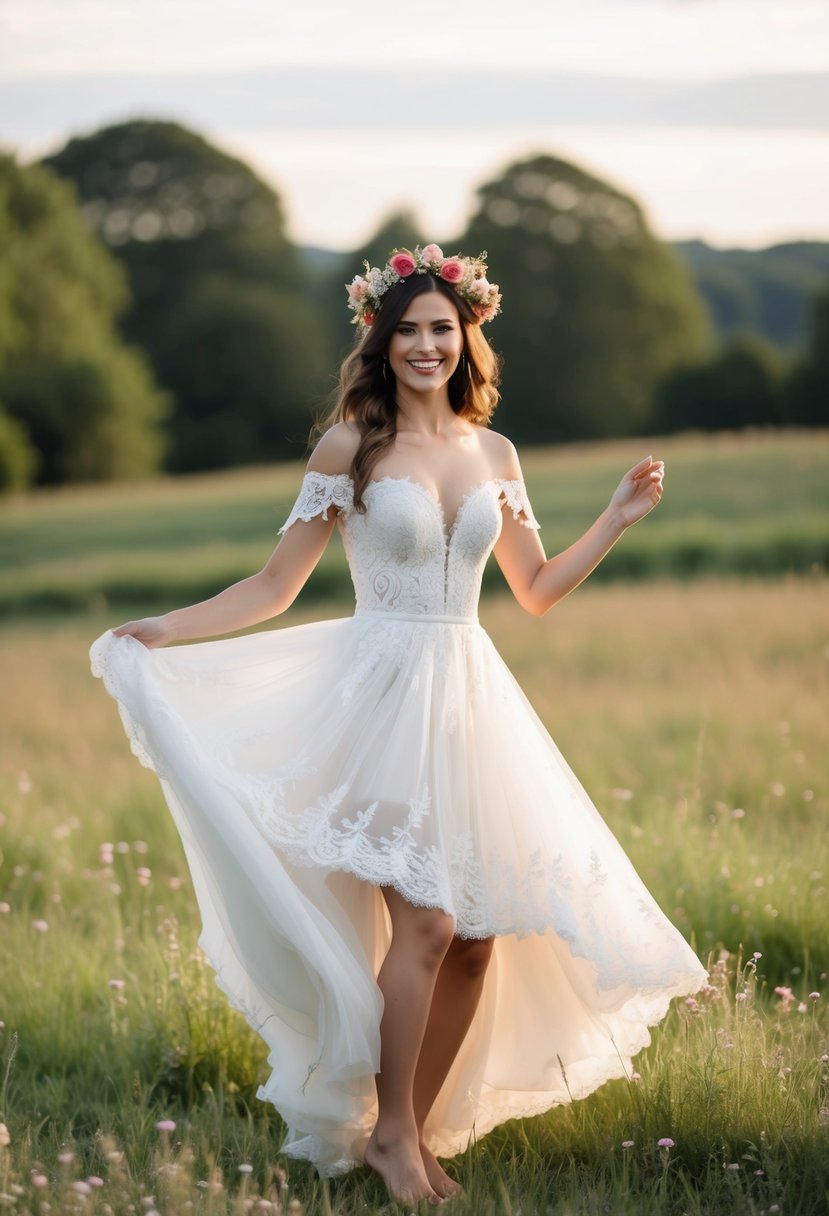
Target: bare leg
457,992
420,939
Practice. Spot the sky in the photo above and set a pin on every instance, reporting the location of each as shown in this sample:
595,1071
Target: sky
713,113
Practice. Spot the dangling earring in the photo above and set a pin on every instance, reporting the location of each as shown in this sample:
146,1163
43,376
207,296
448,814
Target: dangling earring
385,365
464,367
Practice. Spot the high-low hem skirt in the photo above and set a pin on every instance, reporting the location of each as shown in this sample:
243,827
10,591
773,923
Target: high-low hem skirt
305,768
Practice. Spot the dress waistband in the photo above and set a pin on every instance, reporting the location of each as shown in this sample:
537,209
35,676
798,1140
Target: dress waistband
421,618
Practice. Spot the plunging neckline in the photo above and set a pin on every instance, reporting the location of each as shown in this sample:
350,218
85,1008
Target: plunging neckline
448,529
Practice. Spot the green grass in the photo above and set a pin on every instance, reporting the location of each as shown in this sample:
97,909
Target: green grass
744,504
695,715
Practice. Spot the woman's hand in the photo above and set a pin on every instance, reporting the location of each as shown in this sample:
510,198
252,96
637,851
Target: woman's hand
151,631
638,492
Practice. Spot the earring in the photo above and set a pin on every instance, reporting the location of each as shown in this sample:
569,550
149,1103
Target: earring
464,368
385,365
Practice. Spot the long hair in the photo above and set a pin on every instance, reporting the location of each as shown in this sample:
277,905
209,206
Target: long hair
367,397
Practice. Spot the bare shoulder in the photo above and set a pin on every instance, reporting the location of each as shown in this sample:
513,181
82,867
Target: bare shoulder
336,449
502,454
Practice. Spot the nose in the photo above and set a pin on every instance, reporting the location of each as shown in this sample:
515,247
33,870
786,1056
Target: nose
425,341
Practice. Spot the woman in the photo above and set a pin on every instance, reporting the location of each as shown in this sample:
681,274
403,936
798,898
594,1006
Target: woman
402,885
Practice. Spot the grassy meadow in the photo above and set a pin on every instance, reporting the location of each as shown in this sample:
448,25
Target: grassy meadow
694,711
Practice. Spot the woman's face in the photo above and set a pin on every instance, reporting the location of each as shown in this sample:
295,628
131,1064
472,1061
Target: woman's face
427,345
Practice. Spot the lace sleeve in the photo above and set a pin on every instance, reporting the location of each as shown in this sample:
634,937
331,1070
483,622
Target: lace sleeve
318,492
515,492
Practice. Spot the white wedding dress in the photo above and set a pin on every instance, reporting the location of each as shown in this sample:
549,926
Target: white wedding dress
305,766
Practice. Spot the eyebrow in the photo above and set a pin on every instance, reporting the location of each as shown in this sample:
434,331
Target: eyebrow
441,321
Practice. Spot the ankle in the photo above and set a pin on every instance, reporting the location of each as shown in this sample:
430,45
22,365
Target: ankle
391,1133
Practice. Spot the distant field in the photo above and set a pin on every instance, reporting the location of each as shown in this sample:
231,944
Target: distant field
735,504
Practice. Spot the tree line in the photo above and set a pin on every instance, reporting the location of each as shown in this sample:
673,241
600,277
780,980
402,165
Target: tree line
154,313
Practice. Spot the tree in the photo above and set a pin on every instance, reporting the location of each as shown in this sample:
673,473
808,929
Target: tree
86,402
596,309
739,387
203,241
807,389
18,459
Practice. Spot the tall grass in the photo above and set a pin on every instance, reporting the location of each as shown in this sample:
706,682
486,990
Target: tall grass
694,714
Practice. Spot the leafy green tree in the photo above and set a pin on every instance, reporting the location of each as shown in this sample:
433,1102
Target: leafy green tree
18,459
203,241
596,309
86,402
739,387
807,389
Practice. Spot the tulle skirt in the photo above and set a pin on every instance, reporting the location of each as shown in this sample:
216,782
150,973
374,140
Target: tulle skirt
306,767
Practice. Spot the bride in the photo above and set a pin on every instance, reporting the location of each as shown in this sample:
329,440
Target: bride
402,885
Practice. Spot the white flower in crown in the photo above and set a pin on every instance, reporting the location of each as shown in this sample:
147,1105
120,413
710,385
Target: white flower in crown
465,274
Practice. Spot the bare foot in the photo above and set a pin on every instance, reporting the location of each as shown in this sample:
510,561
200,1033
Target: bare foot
400,1165
437,1175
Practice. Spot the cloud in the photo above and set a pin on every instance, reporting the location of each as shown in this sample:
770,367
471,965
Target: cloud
295,98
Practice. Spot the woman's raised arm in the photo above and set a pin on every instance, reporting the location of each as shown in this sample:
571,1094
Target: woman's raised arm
539,582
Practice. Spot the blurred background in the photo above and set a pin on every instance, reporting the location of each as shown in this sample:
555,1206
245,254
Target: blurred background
186,188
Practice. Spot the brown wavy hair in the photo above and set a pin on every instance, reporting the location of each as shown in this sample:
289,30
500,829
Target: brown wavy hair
367,397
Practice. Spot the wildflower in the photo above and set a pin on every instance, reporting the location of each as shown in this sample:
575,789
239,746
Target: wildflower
5,1138
734,1165
635,1076
814,996
94,1181
245,1169
803,1007
143,875
756,955
4,907
117,985
824,1059
627,1143
740,997
80,1188
66,1157
40,926
40,1181
165,1125
738,813
665,1142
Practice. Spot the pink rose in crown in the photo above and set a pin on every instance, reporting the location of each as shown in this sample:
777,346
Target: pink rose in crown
357,288
403,264
452,270
431,253
480,287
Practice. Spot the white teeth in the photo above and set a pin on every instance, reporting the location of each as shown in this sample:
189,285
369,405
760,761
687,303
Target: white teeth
425,365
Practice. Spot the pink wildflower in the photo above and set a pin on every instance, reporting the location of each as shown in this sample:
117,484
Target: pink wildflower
165,1125
143,875
94,1181
117,985
41,926
665,1142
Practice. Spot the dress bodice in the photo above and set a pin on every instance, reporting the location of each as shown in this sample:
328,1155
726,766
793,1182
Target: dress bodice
402,555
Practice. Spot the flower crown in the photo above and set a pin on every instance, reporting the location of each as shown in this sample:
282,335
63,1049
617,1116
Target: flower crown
466,275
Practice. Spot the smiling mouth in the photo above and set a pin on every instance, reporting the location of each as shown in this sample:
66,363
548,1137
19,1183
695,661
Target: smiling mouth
424,365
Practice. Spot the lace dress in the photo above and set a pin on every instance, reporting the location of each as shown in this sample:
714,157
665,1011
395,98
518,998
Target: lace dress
305,766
